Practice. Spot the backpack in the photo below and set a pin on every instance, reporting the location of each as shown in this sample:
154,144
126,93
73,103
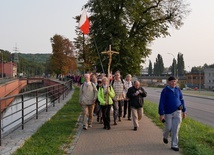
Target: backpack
120,79
93,85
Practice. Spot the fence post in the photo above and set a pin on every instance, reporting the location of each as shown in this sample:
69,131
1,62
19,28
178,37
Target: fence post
63,91
23,120
53,96
46,100
37,113
58,94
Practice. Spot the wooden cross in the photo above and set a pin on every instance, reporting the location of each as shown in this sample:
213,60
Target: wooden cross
110,53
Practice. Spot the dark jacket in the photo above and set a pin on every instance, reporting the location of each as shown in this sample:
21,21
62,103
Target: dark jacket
136,101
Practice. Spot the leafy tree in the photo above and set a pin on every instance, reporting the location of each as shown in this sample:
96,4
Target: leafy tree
86,57
6,55
63,56
174,67
158,66
28,64
150,68
130,26
180,65
208,66
197,69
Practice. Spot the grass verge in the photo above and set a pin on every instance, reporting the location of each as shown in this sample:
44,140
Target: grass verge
200,93
55,135
194,138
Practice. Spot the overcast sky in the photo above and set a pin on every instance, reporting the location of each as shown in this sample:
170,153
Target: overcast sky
29,25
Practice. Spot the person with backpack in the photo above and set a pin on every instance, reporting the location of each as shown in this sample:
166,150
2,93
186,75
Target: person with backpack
105,96
118,86
87,98
136,95
171,110
128,83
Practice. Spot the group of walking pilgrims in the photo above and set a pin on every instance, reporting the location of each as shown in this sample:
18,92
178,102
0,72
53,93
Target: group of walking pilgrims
99,95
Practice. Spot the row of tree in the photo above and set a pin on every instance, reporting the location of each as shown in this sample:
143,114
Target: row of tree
177,67
27,64
61,61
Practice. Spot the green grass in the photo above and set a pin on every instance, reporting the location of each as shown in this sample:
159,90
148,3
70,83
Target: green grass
203,93
194,138
56,134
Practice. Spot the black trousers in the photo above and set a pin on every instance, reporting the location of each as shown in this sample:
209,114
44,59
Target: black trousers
106,115
127,105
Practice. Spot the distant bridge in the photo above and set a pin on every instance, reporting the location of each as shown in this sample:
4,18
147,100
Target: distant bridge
35,80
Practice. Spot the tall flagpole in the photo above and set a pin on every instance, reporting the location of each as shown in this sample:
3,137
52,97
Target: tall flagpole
83,50
99,55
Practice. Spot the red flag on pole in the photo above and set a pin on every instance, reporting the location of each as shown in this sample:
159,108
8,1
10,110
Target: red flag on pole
84,23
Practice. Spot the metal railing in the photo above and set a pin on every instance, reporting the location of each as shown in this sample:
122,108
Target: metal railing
29,105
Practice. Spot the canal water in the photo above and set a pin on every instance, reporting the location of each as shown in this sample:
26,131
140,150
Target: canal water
14,111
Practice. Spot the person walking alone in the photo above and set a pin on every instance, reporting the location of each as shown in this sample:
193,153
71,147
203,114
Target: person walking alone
171,110
136,96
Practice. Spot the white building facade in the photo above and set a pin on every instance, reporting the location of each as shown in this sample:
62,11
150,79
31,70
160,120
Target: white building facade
209,78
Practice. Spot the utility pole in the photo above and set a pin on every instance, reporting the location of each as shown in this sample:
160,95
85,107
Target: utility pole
16,59
2,66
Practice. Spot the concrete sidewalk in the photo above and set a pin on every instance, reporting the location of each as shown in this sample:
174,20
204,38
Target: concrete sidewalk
121,139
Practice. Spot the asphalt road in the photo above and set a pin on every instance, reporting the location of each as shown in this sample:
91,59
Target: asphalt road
198,108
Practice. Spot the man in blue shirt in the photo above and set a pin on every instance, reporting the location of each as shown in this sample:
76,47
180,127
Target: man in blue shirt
171,110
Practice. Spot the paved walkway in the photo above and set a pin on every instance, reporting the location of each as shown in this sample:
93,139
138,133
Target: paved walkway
121,139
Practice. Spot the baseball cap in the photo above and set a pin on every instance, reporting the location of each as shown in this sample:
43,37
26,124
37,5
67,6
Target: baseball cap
171,78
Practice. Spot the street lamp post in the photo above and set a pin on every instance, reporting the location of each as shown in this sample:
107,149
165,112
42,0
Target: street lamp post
173,62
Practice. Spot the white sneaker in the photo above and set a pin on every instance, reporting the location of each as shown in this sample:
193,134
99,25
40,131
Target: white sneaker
90,126
84,127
